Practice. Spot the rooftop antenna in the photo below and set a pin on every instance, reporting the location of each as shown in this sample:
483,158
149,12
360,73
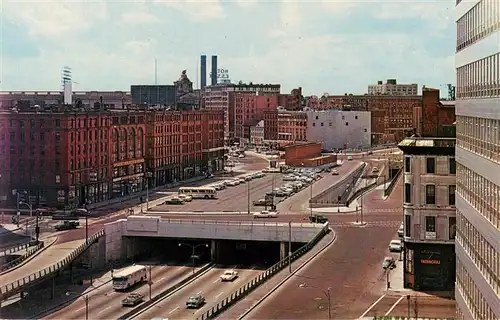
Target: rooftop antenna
156,71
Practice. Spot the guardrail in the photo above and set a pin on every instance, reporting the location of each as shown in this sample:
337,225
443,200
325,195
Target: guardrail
393,183
16,286
131,314
14,249
31,250
243,291
234,222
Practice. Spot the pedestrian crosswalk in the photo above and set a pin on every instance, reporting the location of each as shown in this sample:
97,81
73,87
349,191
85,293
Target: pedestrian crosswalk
353,224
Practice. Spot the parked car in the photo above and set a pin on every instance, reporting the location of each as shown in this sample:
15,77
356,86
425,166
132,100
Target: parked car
229,275
195,301
262,202
395,246
132,300
375,169
185,197
389,263
174,200
401,231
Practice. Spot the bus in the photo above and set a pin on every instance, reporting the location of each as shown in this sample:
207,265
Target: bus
199,192
130,276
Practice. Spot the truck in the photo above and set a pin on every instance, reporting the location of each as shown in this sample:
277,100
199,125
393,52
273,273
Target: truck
129,277
67,225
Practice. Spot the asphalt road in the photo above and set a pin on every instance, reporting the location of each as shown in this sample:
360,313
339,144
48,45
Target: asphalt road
233,198
351,267
208,285
105,303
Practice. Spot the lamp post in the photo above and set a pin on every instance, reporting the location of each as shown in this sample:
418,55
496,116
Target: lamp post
290,246
86,299
248,197
148,176
193,248
310,199
31,215
327,294
150,282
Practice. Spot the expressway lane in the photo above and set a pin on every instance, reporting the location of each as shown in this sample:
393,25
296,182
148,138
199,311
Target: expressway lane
233,198
209,285
105,303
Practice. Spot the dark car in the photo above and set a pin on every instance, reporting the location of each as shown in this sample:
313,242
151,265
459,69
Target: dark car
389,263
263,202
195,301
132,300
67,225
317,219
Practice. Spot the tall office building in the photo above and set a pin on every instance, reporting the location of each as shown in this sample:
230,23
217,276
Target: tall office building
478,160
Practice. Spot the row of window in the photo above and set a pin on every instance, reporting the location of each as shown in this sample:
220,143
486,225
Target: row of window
479,135
430,165
479,79
482,253
480,21
430,226
430,195
481,193
473,297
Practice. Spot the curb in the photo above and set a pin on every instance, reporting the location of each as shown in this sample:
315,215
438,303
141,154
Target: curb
289,276
30,258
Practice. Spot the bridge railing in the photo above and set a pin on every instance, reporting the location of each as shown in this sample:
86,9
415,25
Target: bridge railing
393,183
244,290
31,250
16,286
14,249
258,222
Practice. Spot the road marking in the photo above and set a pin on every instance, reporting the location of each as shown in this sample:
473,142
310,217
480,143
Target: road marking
174,309
199,292
220,294
215,281
80,309
373,305
104,309
394,305
111,293
161,279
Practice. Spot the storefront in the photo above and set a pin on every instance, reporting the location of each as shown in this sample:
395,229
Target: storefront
429,266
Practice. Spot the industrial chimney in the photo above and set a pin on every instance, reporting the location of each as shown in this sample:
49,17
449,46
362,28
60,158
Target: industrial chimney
214,70
203,72
67,83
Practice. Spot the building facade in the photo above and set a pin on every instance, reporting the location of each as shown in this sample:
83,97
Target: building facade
392,88
336,129
477,60
283,127
257,134
429,213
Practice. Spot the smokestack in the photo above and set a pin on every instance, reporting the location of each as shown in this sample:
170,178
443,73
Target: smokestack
67,85
203,72
214,70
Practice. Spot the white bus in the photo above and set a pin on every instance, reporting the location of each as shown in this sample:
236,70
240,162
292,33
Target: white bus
128,277
199,192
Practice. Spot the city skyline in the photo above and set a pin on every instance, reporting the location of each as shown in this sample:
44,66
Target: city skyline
111,46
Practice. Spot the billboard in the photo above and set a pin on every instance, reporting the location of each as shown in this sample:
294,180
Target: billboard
222,76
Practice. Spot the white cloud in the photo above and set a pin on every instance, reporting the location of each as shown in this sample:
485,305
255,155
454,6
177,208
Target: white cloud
246,3
55,18
197,10
139,17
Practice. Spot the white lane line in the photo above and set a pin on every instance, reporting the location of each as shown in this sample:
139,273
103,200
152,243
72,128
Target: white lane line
215,281
161,279
173,310
220,294
111,293
104,309
199,292
373,305
79,309
394,306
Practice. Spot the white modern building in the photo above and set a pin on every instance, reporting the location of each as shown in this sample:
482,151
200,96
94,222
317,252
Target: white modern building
392,88
336,129
477,246
257,134
429,213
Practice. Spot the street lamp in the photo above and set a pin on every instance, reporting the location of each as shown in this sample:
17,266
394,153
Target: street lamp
327,294
148,176
86,298
193,248
31,215
248,196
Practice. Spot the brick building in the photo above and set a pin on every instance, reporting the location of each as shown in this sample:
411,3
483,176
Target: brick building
181,145
283,127
65,157
307,155
292,101
439,116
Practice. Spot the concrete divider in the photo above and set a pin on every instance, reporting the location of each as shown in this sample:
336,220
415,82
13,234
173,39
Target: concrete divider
243,291
144,306
14,249
393,183
28,256
16,286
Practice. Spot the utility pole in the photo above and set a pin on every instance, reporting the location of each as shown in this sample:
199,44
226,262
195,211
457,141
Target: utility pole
248,197
290,246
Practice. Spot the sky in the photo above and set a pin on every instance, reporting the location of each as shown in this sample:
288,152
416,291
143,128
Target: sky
328,46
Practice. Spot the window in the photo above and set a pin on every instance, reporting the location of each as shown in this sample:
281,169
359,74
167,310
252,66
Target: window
314,124
407,225
356,117
407,193
451,195
347,123
452,165
321,123
430,194
430,224
407,164
431,165
452,226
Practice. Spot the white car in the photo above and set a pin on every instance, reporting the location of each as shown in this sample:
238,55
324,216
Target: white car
229,275
375,170
266,214
185,197
395,246
234,182
335,172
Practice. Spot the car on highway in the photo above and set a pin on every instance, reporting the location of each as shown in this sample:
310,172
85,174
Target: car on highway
389,263
248,178
67,225
375,170
185,197
349,158
174,200
266,214
401,231
335,172
259,174
316,218
195,301
229,275
132,300
395,246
